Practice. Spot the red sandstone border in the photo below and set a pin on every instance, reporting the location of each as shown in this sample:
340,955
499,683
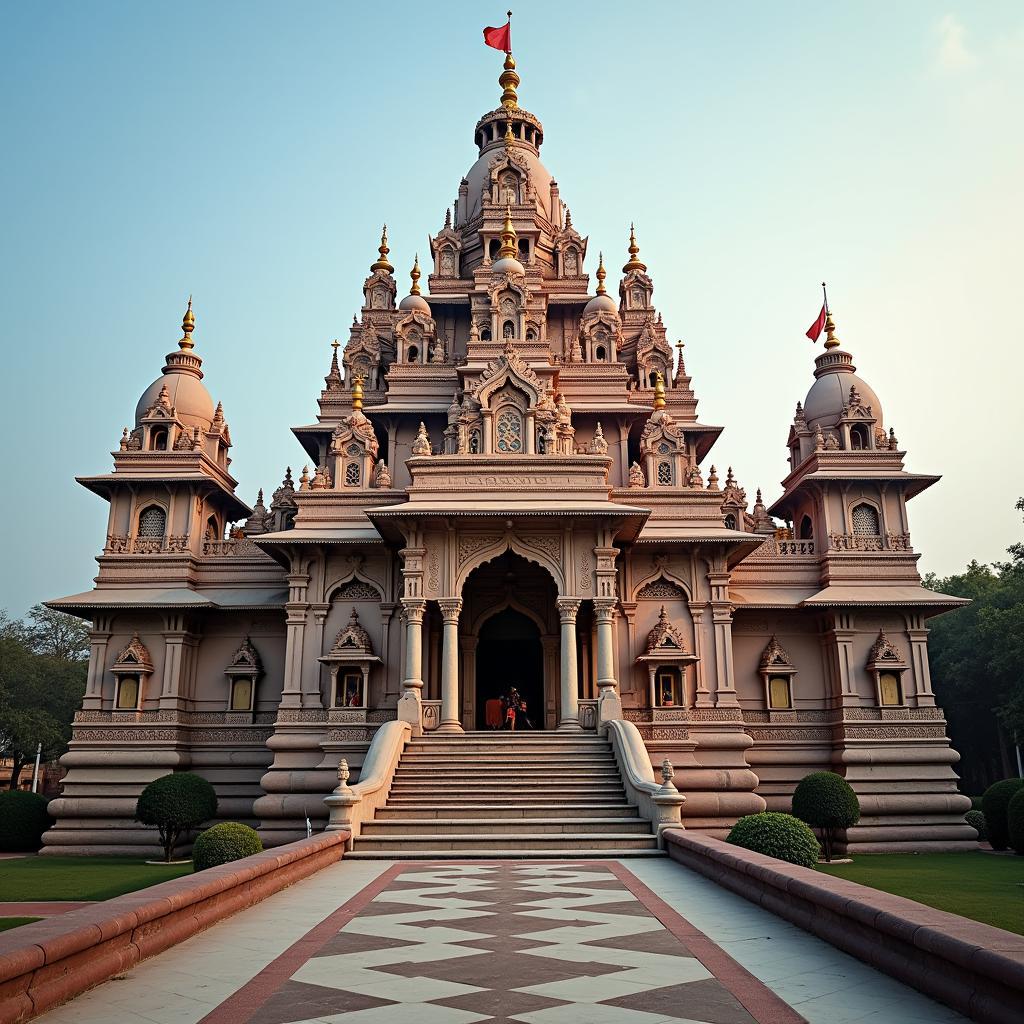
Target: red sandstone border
972,967
47,963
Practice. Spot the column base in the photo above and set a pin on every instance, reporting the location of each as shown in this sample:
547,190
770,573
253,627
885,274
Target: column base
450,727
569,725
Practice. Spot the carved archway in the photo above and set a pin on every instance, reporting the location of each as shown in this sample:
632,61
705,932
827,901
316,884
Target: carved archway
493,546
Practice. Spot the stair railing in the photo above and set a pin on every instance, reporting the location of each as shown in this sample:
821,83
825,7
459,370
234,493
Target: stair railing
350,806
661,805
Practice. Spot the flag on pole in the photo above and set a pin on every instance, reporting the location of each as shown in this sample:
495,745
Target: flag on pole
501,37
814,331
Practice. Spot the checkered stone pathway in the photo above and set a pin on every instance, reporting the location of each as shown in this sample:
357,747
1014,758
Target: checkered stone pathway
534,943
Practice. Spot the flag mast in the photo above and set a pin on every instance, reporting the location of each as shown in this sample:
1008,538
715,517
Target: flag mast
824,294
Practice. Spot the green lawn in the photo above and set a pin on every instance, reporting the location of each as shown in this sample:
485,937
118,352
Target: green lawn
7,923
80,878
981,886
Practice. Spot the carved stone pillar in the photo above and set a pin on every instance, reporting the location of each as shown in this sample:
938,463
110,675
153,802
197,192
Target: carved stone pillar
412,685
919,660
702,695
295,624
312,696
721,618
99,639
570,714
609,705
450,720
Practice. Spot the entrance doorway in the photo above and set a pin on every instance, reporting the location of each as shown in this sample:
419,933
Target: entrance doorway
509,653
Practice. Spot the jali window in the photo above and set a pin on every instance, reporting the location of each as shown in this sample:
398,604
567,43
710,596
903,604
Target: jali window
352,474
865,521
510,431
664,473
152,522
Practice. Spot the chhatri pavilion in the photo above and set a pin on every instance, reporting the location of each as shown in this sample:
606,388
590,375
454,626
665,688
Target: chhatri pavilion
507,484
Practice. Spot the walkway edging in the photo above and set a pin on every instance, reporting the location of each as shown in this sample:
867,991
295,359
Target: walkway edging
973,967
47,963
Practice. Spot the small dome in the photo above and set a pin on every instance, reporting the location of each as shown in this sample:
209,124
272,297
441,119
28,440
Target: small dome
507,265
831,391
416,302
191,401
601,304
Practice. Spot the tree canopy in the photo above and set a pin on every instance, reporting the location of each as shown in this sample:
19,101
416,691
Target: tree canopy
43,664
977,663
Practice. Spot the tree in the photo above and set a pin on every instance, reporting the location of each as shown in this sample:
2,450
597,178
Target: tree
176,804
42,679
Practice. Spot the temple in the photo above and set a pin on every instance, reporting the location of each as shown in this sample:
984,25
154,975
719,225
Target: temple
506,484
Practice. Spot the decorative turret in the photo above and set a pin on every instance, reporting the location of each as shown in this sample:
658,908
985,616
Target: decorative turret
602,301
414,300
634,252
507,262
381,263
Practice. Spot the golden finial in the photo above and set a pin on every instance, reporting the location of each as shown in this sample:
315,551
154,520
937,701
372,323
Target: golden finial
601,275
634,251
659,391
831,341
381,263
188,325
415,275
508,237
335,345
357,393
508,81
509,137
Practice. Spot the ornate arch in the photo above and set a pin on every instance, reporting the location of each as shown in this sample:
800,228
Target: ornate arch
661,571
495,548
509,602
353,577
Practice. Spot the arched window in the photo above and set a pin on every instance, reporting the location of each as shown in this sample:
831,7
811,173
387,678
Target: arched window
524,250
152,522
531,334
159,439
664,473
352,474
485,334
806,531
858,437
493,248
509,431
127,693
599,353
508,329
730,522
212,529
889,689
780,697
865,521
241,693
413,354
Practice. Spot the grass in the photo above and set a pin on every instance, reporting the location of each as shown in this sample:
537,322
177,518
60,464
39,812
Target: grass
6,923
80,878
981,886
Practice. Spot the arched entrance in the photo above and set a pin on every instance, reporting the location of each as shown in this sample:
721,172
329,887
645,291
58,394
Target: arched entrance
509,653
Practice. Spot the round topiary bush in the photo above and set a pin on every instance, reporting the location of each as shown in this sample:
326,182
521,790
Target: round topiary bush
1015,821
23,820
826,801
777,835
995,803
176,804
976,819
227,841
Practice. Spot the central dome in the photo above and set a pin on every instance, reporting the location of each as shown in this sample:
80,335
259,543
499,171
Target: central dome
831,391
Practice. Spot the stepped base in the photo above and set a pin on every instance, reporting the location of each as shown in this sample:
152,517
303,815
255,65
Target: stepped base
503,854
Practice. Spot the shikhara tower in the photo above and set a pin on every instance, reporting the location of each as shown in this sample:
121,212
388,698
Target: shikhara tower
507,483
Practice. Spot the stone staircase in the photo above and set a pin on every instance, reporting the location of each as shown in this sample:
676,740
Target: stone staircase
505,795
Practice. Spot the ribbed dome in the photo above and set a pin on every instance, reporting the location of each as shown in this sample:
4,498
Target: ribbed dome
190,399
416,302
831,391
601,304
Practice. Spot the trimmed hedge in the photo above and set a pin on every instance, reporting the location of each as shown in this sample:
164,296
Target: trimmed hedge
976,819
23,820
1015,821
826,801
777,835
225,842
995,803
176,804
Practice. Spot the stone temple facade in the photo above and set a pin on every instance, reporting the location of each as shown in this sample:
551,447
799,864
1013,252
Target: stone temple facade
508,484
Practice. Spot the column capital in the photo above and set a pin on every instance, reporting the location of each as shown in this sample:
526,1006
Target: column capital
414,608
604,608
567,608
451,608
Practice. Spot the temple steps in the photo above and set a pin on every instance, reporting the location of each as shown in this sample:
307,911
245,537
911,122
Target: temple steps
506,795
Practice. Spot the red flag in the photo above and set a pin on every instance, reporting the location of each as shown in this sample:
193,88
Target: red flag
814,331
500,38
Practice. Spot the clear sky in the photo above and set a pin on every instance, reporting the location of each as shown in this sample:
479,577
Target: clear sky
247,152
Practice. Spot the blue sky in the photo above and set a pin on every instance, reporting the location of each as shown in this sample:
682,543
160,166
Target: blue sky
248,153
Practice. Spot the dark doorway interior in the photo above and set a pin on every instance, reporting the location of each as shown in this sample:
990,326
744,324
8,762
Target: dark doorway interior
508,654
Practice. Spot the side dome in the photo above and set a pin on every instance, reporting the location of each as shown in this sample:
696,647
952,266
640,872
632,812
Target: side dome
183,377
414,300
835,375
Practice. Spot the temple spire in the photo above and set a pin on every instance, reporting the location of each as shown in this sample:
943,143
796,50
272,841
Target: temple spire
508,237
188,325
634,252
381,263
601,274
509,81
415,275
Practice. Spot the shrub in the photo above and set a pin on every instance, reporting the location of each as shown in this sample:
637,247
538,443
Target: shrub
227,841
995,802
777,835
826,801
176,804
1015,821
976,803
23,820
976,819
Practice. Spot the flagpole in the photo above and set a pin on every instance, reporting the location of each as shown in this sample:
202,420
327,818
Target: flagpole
509,50
825,295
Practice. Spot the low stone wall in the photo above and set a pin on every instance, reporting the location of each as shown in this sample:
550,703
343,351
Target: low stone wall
975,968
47,963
